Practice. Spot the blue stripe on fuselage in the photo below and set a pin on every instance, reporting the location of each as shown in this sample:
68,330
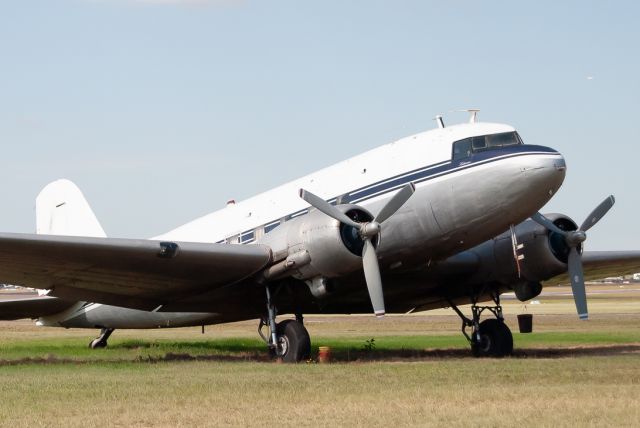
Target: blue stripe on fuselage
440,169
428,173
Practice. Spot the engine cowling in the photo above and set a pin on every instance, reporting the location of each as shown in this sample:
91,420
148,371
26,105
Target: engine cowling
316,247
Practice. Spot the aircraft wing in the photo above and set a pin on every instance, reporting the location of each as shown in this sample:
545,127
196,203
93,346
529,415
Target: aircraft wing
602,264
140,274
32,307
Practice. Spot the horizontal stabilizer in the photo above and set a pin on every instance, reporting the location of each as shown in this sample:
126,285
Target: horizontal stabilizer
32,307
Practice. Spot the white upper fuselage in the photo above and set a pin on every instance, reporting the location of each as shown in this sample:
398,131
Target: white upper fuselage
390,160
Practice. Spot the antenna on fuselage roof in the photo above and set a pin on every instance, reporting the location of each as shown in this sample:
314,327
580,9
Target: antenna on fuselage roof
439,121
473,118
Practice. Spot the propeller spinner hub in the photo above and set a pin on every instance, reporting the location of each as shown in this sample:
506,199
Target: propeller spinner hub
369,230
576,238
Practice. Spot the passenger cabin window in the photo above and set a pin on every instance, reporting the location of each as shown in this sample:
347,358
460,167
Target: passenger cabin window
270,226
247,237
464,148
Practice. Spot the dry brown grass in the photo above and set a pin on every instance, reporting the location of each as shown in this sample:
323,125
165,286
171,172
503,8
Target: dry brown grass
590,391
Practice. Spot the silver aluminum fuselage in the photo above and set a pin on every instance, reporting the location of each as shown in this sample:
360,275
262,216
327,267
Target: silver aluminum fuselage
469,202
463,208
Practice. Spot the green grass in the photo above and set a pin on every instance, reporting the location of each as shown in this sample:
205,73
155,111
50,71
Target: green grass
343,348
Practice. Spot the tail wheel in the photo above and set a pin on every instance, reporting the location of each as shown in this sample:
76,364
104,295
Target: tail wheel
294,343
493,339
97,344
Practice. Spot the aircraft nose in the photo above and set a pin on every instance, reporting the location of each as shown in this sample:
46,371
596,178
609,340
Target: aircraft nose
559,164
546,171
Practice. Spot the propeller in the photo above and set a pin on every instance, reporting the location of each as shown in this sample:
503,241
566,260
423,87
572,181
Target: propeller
573,239
367,232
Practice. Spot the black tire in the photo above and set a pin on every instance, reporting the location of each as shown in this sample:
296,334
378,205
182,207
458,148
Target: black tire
294,342
496,339
97,344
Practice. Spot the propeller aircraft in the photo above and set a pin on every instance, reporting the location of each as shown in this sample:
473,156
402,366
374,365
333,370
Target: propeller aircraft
444,218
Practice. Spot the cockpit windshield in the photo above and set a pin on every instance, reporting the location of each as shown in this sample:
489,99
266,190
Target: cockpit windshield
464,148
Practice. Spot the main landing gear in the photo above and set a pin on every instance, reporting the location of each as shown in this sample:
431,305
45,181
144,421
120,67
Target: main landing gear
288,340
491,337
101,341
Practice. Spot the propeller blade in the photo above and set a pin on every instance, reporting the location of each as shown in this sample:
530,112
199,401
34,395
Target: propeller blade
577,283
372,277
598,213
543,221
395,203
324,206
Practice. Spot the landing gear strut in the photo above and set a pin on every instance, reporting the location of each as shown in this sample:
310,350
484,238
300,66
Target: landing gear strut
288,340
491,337
101,341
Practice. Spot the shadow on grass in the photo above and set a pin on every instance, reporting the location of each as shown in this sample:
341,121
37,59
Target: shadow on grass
577,351
342,356
436,354
218,345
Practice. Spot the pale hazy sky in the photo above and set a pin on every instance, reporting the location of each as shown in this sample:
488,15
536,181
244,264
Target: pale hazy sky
162,110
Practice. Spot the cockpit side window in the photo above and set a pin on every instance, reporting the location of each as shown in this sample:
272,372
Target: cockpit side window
479,143
468,146
462,149
504,139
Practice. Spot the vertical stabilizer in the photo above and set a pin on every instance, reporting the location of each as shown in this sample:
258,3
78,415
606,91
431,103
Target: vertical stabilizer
61,209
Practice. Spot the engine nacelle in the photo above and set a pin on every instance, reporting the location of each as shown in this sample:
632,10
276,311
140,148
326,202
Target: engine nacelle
545,256
316,246
545,252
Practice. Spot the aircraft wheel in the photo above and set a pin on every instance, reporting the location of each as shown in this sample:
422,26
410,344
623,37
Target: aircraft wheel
101,341
495,339
294,343
97,344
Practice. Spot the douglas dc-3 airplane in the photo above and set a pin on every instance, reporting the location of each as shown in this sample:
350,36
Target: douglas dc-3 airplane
443,218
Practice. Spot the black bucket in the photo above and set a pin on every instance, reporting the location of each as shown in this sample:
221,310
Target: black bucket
525,323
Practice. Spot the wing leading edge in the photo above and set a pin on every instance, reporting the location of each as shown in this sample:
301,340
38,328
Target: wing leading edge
601,264
140,274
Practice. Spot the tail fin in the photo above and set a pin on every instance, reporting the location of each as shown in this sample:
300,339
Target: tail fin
61,209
